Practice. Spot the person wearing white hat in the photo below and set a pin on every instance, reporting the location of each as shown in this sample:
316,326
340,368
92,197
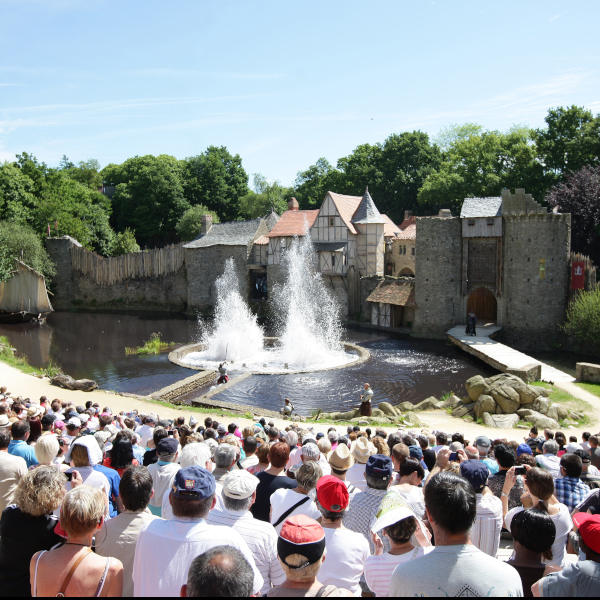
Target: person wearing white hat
73,428
361,452
239,494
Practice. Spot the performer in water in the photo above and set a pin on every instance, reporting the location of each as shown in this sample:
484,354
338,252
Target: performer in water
365,407
224,378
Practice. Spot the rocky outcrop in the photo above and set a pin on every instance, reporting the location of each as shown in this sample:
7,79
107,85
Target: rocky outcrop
428,404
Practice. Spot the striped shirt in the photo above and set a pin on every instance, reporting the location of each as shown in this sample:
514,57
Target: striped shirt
379,569
261,539
361,514
485,533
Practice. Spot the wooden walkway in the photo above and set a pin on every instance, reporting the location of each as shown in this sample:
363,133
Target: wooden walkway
498,355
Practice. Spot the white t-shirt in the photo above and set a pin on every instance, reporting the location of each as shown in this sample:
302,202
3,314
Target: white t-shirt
283,500
562,522
379,569
413,498
145,432
356,476
347,552
162,481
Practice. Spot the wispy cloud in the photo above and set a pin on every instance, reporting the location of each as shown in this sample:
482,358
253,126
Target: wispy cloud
196,74
10,84
554,18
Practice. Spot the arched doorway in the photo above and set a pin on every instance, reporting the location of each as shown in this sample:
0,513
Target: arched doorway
407,272
483,303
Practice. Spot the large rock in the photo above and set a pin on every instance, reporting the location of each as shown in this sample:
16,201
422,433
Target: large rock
404,406
428,404
451,402
460,411
505,421
542,390
67,382
410,418
485,403
527,414
557,412
527,393
545,423
506,398
487,420
376,412
541,405
388,409
475,387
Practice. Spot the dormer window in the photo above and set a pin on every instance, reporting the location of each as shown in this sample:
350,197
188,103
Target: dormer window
471,222
491,221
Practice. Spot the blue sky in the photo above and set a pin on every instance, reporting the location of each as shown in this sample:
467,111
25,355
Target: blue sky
280,83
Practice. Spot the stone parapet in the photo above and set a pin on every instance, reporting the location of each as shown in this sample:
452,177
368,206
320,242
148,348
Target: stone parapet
588,372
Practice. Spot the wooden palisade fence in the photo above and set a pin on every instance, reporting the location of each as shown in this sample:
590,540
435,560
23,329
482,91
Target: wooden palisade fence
109,271
589,273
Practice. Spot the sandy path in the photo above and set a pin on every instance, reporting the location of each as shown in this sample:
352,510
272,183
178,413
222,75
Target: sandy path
25,385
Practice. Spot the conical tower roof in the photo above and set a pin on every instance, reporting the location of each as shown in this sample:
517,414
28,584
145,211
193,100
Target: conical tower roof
367,211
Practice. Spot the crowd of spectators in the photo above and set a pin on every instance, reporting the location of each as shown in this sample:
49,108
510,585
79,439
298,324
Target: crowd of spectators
98,504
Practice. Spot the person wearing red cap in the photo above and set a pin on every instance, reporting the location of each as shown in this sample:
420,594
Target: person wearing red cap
581,579
301,552
347,550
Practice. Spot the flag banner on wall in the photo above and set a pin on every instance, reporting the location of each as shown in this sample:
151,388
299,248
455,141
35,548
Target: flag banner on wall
578,276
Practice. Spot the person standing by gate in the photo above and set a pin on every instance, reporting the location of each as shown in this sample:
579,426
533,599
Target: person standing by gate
471,324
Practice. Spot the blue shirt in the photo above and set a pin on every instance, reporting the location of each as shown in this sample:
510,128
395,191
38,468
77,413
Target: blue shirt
138,454
492,465
20,448
570,491
115,481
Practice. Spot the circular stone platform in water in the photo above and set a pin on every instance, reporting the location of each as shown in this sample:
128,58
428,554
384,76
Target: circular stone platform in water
191,357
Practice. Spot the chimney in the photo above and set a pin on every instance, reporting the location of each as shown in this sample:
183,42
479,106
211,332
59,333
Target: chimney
293,204
445,213
206,224
407,214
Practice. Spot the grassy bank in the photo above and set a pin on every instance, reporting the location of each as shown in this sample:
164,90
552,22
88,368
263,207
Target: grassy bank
571,403
592,388
20,362
155,345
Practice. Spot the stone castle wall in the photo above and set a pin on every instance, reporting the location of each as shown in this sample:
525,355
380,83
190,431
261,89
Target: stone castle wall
534,307
438,271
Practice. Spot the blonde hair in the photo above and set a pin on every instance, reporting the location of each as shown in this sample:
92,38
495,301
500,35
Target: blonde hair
247,432
46,449
82,510
301,575
80,456
381,445
324,446
40,491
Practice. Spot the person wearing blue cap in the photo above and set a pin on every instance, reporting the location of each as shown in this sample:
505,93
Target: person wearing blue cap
166,549
488,522
363,507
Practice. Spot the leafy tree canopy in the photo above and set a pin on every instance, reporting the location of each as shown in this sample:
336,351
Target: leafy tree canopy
265,197
580,196
583,318
190,224
20,242
124,243
311,185
86,172
216,179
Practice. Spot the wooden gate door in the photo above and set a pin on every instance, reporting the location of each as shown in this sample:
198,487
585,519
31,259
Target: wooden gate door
374,313
384,315
483,303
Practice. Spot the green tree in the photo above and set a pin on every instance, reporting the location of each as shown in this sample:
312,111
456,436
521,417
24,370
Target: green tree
188,227
265,197
450,135
216,179
124,243
482,165
87,172
149,198
21,242
17,199
583,318
570,141
311,185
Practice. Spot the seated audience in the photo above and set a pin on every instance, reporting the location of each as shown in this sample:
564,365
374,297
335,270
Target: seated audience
533,534
20,432
28,525
483,445
549,459
506,459
46,451
347,550
408,486
250,444
121,455
340,461
361,451
262,453
73,569
163,472
568,489
589,474
12,469
456,567
118,537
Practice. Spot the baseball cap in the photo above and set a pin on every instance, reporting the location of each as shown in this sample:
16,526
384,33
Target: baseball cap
341,459
74,422
221,428
589,529
379,466
193,483
167,447
311,451
48,419
483,443
332,494
476,473
524,449
239,485
301,535
320,435
151,418
415,452
570,449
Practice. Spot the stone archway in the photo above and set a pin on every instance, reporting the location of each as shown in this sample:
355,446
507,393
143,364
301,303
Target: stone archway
484,304
408,272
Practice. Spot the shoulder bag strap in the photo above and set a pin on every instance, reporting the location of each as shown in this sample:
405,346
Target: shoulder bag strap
289,511
67,581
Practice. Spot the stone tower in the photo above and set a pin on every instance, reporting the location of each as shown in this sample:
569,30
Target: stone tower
369,241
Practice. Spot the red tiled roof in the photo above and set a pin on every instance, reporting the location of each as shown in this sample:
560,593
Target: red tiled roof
408,229
294,222
346,206
262,241
390,229
399,293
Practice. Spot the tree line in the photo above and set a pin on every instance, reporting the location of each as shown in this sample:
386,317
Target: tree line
159,200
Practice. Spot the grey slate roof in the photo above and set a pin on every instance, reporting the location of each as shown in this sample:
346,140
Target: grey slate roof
272,219
329,246
233,233
367,211
481,207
